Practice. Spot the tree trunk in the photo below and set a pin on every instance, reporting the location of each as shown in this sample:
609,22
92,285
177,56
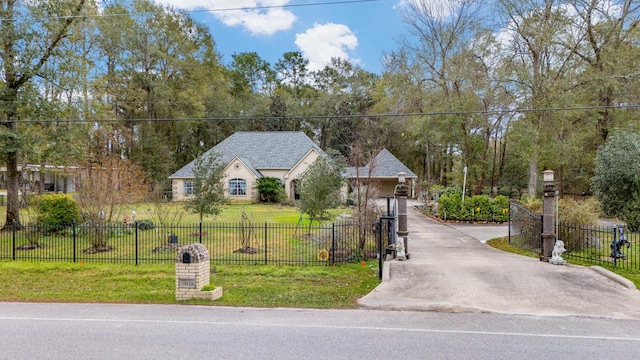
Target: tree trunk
533,175
13,190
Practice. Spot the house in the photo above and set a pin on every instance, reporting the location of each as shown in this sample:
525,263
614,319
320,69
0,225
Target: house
383,172
39,178
249,156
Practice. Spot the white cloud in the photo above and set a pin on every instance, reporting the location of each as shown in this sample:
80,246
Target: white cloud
322,42
260,22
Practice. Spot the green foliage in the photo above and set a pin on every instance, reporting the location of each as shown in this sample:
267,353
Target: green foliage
57,211
146,224
320,187
10,141
572,215
476,208
617,170
631,209
532,203
577,214
271,190
451,191
501,208
208,190
450,206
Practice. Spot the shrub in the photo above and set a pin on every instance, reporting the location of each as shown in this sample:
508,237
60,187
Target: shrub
476,208
533,204
57,211
500,209
271,190
449,206
483,206
146,225
576,218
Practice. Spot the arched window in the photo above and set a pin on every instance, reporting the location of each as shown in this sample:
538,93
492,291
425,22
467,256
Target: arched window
237,187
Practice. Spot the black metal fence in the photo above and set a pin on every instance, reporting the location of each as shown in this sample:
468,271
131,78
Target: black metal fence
525,228
601,245
609,244
228,243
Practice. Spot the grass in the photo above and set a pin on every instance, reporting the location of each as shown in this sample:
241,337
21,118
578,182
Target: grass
255,286
503,244
231,213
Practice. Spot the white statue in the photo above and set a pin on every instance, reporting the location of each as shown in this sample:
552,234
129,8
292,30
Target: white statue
400,255
556,253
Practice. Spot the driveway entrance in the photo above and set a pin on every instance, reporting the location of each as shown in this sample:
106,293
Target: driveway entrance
454,272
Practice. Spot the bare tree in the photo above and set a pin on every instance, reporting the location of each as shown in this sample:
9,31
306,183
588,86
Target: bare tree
366,190
104,186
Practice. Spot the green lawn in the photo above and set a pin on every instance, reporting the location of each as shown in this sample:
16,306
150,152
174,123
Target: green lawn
260,286
231,212
336,287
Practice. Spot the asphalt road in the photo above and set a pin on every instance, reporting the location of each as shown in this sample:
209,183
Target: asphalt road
102,331
456,298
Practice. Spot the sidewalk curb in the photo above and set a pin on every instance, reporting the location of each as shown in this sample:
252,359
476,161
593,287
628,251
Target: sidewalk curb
615,277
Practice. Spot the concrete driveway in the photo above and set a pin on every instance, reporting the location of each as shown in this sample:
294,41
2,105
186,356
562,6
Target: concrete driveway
452,271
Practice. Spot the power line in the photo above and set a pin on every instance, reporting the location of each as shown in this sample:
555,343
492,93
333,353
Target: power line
319,117
263,7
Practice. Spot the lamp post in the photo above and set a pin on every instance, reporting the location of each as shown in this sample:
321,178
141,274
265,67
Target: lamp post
464,185
548,216
401,193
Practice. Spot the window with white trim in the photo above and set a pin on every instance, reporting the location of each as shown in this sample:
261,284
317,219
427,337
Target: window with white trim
188,187
237,187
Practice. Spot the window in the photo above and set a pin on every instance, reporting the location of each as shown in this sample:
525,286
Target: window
237,187
188,187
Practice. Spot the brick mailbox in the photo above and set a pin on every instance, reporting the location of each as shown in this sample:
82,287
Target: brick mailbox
193,273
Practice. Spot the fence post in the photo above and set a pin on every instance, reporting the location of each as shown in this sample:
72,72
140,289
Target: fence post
136,230
200,233
380,248
265,243
613,249
509,219
13,238
333,243
73,232
548,217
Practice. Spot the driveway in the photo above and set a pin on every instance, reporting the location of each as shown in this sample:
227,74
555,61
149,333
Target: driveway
452,271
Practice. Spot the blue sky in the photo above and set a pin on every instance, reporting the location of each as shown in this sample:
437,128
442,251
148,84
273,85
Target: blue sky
361,32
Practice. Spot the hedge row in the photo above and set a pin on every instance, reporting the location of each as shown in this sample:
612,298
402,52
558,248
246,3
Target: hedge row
475,208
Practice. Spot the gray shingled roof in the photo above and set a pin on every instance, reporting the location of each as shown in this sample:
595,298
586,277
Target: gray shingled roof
385,165
259,150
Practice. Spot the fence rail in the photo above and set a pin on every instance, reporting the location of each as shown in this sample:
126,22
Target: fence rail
525,228
228,243
597,245
591,244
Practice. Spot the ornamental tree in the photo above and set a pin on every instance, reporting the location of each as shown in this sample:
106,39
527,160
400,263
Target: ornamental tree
208,189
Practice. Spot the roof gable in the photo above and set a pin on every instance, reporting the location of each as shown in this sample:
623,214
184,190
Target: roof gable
259,150
385,165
